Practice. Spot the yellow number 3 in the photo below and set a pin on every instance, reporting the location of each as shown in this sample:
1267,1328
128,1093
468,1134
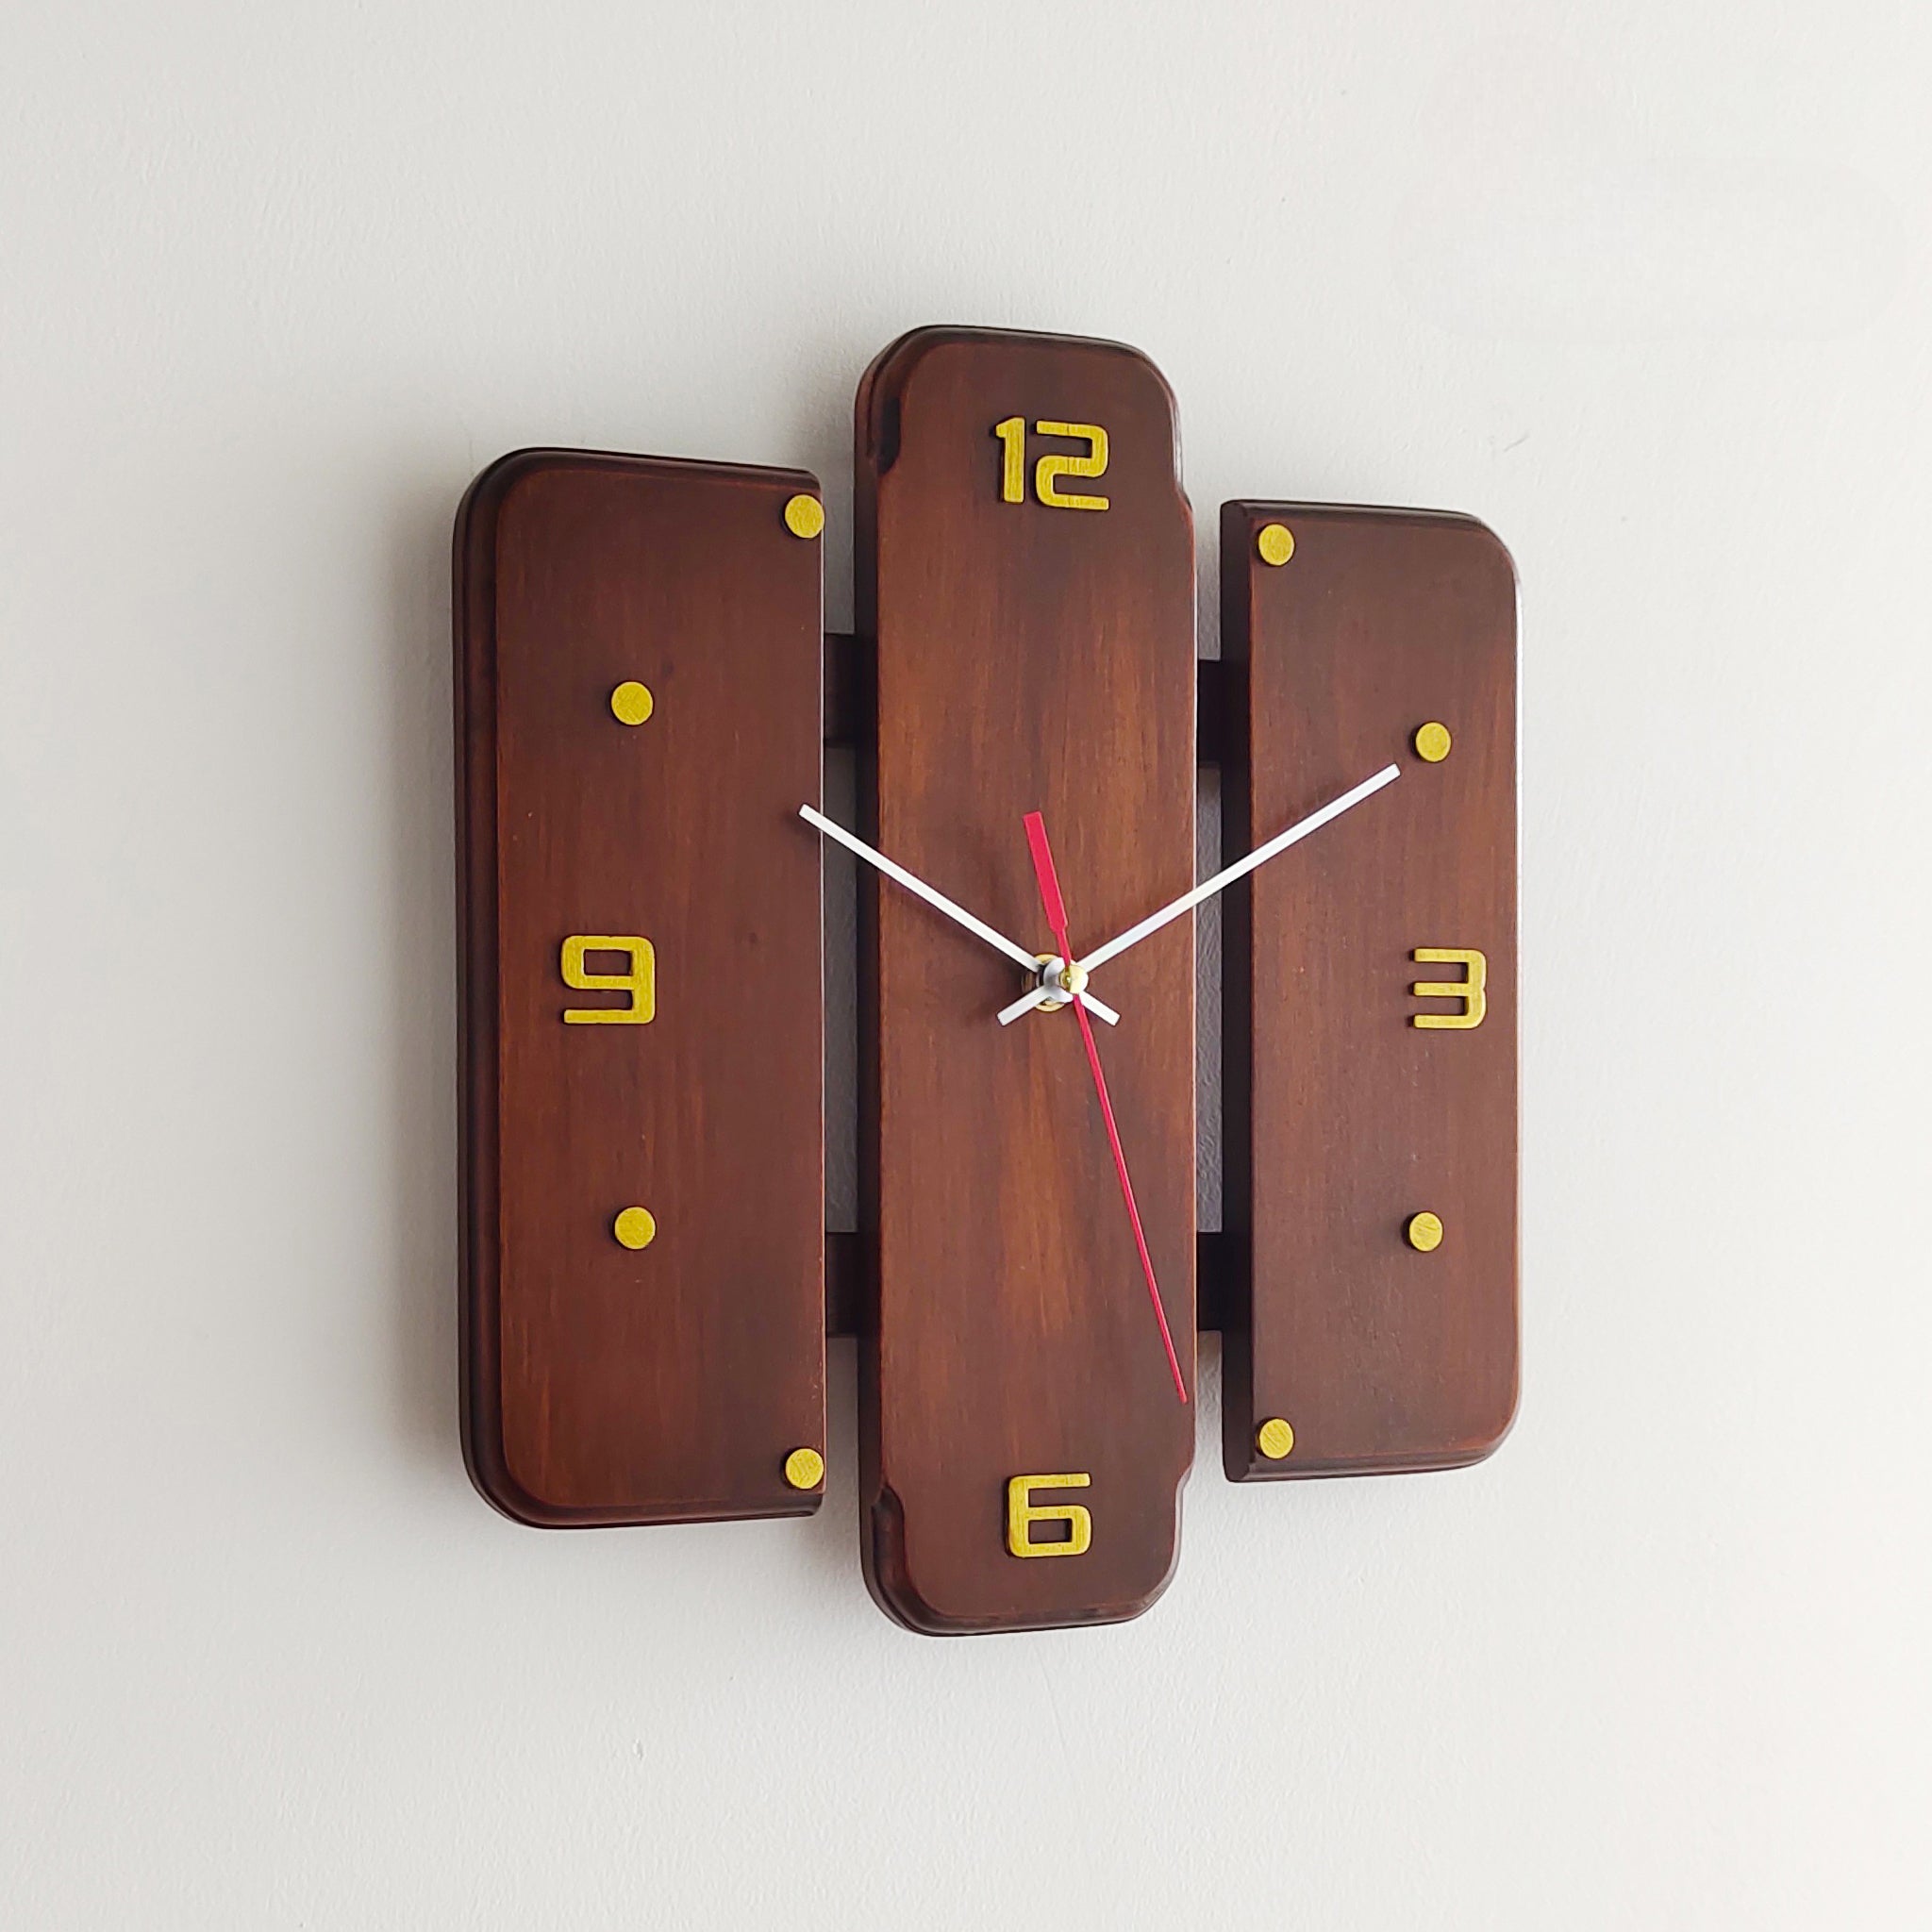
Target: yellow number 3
638,979
1022,1513
1472,990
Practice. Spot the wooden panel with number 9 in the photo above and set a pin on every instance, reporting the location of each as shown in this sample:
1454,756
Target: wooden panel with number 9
643,1196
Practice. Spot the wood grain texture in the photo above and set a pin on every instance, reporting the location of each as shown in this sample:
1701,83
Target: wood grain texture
846,687
602,1385
1341,1118
1019,658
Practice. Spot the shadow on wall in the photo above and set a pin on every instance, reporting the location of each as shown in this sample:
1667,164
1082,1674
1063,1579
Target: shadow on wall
422,1115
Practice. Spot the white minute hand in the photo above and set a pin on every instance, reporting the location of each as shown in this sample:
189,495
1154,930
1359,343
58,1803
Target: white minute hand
1208,887
940,903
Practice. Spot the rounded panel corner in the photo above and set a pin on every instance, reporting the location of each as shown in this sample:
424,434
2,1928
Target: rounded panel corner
494,485
1487,1444
1498,550
487,1459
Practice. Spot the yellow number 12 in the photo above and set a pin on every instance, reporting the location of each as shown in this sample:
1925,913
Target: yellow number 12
1050,468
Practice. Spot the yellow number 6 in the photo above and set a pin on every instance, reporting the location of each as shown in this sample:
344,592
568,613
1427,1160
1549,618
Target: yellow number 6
1022,1513
1092,464
638,979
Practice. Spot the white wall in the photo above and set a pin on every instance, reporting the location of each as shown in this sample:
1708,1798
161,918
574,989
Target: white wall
1644,285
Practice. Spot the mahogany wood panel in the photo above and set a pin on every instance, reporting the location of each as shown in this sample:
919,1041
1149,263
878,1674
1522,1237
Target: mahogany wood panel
1026,657
845,1278
845,693
603,1383
1343,1119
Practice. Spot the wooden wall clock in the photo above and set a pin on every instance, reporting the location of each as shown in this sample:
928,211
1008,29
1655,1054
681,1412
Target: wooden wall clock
644,694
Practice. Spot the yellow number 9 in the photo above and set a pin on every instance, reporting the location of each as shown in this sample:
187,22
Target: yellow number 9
1092,464
638,979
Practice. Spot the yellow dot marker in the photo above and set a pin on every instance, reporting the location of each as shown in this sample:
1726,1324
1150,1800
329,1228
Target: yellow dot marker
635,1227
1424,1232
805,516
805,1469
1276,543
1275,1438
631,702
1432,742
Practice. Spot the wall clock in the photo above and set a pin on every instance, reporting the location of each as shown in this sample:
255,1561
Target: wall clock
644,693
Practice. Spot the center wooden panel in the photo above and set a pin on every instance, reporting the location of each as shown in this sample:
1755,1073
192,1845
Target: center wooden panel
1028,656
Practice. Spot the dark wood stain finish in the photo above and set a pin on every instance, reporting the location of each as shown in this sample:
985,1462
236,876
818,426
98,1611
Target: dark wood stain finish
602,1385
1026,657
845,1281
1342,1118
847,688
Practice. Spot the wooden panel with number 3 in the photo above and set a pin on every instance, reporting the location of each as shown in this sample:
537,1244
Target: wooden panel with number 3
1371,1131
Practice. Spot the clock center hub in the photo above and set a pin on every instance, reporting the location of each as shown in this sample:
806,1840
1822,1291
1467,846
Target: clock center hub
1062,982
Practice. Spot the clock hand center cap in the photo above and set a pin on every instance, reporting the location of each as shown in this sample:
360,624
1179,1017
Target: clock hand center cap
1063,982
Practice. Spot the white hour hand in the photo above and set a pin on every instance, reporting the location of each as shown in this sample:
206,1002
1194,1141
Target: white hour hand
940,903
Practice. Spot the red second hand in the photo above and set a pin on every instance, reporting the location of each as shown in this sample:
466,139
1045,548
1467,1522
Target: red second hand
1057,919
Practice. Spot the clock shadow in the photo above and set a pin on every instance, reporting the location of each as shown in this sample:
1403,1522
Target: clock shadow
416,1152
829,1547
